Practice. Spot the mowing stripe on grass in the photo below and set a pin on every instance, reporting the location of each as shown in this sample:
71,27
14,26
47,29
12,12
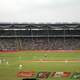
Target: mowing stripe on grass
53,61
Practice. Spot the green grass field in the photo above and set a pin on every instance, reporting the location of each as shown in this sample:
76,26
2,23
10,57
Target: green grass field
9,63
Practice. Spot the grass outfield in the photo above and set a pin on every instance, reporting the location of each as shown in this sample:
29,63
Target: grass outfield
9,63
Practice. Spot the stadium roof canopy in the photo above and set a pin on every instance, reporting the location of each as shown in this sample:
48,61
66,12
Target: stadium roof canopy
6,26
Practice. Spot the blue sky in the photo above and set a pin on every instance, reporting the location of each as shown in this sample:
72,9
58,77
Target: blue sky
40,11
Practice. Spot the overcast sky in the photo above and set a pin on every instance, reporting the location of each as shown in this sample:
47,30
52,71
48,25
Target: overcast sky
40,11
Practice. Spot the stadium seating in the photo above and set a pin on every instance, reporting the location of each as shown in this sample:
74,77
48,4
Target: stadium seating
39,36
39,44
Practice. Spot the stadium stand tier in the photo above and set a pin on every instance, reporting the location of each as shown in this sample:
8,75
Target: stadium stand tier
39,36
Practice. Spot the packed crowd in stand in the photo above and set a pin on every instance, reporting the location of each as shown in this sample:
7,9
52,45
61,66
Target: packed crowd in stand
7,44
39,43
